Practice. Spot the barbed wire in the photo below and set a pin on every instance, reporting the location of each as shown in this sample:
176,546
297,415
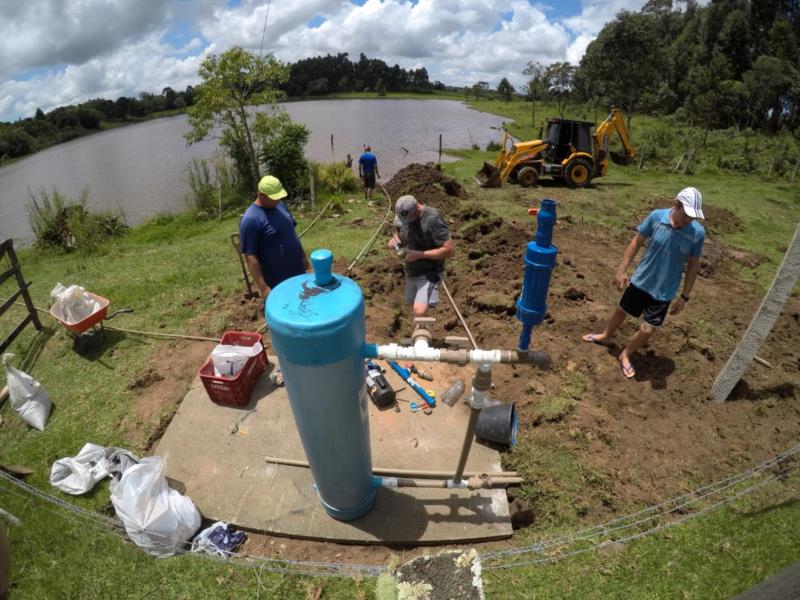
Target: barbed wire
677,504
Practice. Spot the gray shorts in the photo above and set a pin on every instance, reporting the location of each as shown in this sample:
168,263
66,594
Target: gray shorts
419,290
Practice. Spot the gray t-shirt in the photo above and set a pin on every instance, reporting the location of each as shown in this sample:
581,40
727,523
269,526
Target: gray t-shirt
429,231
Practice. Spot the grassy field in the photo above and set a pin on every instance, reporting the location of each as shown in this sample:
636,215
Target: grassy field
174,268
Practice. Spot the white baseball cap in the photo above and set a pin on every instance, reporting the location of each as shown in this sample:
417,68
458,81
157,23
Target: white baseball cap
692,201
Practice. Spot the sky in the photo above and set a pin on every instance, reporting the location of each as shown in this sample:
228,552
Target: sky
58,52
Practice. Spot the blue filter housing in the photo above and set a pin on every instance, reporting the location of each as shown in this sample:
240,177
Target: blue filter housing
316,323
540,258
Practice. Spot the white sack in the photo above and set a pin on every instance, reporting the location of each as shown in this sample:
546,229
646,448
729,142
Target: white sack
73,304
27,396
157,518
229,360
79,474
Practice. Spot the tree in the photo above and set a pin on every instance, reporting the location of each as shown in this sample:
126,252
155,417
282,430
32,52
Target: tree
536,87
380,87
39,114
282,153
505,90
233,83
558,78
627,60
479,89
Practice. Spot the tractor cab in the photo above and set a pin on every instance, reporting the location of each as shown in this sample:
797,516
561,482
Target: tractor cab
565,137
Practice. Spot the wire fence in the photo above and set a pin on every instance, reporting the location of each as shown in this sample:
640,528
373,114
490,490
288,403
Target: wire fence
628,528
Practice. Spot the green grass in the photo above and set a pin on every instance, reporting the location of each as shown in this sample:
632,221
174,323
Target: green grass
714,556
174,268
169,271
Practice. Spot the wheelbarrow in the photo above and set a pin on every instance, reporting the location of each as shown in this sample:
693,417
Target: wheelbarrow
89,333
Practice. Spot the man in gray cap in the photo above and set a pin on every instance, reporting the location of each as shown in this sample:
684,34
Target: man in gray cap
423,239
674,240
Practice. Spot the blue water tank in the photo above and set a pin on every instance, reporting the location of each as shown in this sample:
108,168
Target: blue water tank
316,323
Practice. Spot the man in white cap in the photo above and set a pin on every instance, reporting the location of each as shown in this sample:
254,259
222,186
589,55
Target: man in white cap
424,240
268,240
674,240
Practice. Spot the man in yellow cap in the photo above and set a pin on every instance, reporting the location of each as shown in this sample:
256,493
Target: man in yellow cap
268,239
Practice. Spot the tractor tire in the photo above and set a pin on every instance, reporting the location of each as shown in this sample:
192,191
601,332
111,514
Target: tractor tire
528,176
578,173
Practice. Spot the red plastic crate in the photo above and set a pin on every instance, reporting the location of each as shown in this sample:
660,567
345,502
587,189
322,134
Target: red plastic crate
236,390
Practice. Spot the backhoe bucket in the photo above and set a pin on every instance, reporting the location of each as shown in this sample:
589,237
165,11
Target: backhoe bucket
620,158
488,176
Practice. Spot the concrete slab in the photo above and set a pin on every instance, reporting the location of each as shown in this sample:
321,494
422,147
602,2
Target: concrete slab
218,453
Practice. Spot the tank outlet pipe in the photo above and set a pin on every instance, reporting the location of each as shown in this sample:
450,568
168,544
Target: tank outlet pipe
395,352
540,259
473,483
406,376
481,383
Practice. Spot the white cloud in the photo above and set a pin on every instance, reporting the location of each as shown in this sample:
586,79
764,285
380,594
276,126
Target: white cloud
107,48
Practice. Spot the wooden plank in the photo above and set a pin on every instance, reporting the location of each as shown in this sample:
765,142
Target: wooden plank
762,322
10,301
17,330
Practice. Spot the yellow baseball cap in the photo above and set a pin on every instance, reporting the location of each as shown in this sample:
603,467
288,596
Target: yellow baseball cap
271,187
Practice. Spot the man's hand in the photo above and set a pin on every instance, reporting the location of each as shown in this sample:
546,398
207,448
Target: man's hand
392,244
677,306
413,255
621,280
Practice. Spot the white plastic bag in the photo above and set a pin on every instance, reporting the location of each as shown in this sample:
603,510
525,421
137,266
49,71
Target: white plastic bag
229,360
72,303
79,474
157,518
27,396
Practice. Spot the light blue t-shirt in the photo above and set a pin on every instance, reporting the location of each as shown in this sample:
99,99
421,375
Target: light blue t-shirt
660,270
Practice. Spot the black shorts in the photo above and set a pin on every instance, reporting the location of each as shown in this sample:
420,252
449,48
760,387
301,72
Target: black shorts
638,303
369,180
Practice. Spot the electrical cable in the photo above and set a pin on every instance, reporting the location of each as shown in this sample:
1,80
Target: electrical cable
374,235
299,235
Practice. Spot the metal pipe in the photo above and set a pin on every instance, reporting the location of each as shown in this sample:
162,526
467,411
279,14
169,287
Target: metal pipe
415,473
481,383
473,483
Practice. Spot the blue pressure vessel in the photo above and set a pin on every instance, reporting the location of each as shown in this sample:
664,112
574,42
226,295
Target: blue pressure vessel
540,258
316,323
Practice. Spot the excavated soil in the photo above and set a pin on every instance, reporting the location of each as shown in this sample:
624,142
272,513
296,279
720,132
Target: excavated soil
644,439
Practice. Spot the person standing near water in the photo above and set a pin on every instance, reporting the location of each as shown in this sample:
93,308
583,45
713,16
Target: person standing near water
368,171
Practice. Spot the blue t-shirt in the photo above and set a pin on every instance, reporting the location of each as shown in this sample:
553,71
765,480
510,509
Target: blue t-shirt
368,162
268,234
660,270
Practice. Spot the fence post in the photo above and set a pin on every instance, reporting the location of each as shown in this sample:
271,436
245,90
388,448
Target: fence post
761,325
794,172
311,189
641,160
440,151
688,164
678,164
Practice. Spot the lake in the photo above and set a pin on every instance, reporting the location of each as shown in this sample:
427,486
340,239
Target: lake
140,170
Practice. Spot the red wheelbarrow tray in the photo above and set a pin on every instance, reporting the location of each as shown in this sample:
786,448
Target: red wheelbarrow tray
92,319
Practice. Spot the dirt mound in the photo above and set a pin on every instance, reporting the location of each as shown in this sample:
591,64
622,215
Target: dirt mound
428,184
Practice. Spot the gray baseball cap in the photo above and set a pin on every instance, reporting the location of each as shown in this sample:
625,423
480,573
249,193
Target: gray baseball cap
405,208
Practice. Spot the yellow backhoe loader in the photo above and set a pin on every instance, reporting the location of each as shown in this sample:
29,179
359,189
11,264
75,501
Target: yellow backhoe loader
570,151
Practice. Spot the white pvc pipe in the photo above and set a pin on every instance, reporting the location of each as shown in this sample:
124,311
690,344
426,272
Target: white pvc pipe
422,352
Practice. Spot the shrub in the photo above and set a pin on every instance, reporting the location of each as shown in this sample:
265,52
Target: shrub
334,178
493,146
206,186
59,222
283,155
